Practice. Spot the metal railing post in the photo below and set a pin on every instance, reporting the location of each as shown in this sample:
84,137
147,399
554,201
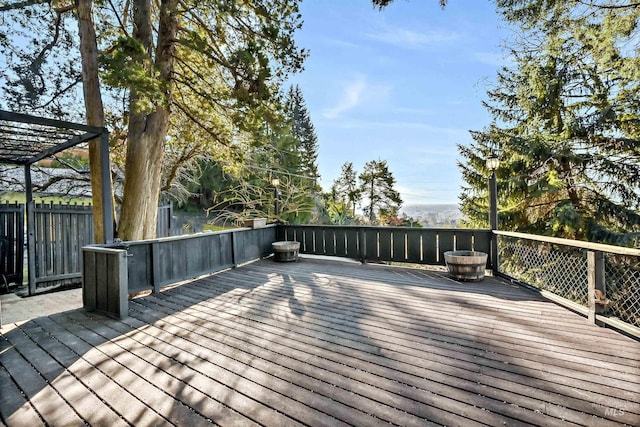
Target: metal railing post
493,220
108,224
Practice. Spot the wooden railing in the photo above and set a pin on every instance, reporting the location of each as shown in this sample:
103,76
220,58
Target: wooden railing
396,244
151,264
600,281
566,271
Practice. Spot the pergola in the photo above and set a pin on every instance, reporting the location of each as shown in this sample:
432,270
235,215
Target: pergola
26,139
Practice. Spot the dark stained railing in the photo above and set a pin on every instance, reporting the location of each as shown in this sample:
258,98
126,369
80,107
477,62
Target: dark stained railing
396,244
151,264
112,272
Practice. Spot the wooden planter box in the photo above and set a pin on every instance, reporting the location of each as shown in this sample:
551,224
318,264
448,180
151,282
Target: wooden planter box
255,222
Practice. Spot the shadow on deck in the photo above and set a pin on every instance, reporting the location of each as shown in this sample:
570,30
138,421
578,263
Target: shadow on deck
322,343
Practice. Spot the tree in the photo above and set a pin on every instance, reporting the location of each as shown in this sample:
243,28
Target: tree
303,132
242,42
218,63
381,4
377,186
566,121
345,189
30,83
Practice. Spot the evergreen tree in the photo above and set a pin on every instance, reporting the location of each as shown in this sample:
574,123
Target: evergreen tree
566,123
345,189
303,132
377,186
381,4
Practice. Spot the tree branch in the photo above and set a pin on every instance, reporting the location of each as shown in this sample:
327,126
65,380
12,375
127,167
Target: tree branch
22,5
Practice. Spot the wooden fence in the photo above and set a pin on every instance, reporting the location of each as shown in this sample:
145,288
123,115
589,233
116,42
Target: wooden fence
59,233
11,242
57,236
167,225
112,272
397,244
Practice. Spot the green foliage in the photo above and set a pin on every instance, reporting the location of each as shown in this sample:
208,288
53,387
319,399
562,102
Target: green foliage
338,213
233,188
231,59
374,185
345,189
125,64
69,160
377,186
565,122
303,132
381,4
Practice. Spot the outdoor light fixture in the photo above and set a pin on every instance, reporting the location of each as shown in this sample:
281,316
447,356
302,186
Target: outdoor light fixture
493,162
275,181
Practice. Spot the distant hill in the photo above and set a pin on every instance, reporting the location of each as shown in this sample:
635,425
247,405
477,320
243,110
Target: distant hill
411,209
434,215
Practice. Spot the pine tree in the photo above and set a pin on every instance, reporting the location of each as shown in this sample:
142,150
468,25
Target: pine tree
377,186
345,189
566,120
303,132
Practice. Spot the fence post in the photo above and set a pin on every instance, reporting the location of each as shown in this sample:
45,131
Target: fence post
31,238
108,223
596,282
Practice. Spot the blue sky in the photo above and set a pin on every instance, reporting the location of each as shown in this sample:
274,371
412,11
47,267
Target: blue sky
404,85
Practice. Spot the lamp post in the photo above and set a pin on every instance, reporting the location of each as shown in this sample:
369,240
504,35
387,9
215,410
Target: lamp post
275,181
493,162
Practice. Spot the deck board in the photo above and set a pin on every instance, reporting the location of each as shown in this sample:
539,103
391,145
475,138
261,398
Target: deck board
446,356
322,343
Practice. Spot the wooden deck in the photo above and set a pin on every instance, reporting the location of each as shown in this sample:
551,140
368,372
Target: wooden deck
322,343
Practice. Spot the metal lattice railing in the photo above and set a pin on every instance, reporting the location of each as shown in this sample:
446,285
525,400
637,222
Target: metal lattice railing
563,270
622,275
546,266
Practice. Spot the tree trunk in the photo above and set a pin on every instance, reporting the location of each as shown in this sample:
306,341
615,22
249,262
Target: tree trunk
371,194
93,107
148,129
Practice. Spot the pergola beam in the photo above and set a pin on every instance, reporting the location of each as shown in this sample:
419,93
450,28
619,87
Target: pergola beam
63,146
26,139
61,124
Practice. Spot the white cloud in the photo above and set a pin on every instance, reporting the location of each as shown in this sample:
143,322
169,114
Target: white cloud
350,99
410,39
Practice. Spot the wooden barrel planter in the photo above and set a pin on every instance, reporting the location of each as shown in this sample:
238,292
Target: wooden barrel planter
285,251
466,265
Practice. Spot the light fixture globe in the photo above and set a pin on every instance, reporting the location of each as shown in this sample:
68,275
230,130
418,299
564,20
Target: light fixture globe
493,162
275,181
